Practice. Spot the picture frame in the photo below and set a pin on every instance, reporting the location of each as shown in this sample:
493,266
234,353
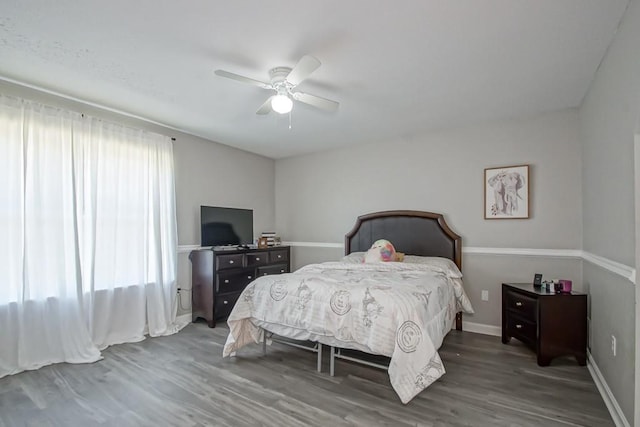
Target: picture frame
506,192
537,280
263,243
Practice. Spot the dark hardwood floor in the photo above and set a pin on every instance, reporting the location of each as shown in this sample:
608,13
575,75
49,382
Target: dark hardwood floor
182,380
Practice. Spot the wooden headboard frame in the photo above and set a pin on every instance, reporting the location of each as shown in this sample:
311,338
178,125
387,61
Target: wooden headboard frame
411,232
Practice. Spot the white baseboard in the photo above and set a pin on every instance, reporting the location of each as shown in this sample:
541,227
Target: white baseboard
480,328
609,399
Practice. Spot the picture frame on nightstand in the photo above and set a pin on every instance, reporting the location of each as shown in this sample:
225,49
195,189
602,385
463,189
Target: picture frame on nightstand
537,280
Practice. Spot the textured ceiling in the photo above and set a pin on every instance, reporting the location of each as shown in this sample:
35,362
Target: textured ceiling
398,69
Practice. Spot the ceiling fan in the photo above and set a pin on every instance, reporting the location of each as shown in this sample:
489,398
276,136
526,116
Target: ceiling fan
283,80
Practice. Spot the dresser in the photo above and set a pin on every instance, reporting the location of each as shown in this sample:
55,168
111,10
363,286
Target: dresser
218,277
550,324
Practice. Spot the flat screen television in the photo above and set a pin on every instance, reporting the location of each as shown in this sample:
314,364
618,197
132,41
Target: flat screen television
225,226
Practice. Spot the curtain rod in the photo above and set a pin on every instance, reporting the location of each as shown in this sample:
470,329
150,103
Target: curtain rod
90,104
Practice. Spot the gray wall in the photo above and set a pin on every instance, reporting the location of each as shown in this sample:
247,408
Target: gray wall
608,119
318,197
207,173
216,175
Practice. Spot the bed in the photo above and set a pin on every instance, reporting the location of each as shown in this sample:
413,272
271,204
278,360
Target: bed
400,310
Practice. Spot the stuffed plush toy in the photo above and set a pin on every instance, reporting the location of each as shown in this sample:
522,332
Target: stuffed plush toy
381,251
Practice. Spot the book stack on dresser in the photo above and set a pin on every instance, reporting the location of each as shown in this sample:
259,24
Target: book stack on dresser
272,238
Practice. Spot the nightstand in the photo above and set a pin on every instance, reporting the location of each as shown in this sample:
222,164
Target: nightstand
550,324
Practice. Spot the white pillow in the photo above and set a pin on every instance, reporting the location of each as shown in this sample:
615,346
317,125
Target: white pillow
444,265
354,258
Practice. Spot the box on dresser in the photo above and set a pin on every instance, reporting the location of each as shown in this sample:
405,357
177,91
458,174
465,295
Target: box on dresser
551,324
218,277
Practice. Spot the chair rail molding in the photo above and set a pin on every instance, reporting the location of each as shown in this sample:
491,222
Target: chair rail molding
185,249
623,270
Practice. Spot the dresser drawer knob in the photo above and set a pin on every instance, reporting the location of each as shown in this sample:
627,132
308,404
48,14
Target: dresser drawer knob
282,271
517,326
279,256
257,258
248,277
226,280
518,304
231,262
225,302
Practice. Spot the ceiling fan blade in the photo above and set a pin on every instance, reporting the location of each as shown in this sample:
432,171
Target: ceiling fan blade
307,65
243,79
266,107
316,101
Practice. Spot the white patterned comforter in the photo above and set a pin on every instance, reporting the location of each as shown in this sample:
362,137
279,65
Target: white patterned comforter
398,310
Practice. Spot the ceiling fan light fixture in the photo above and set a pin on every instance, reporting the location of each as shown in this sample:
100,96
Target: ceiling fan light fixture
281,104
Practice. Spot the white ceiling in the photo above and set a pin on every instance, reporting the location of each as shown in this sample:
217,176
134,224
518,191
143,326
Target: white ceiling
398,68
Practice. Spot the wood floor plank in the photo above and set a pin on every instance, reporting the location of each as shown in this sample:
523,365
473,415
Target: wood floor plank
183,380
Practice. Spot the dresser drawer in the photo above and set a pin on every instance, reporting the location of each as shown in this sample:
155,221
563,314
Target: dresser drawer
279,256
224,304
522,329
233,281
228,261
521,304
257,258
273,269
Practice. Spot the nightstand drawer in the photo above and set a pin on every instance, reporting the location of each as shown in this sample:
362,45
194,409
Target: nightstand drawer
257,258
273,269
521,304
228,261
233,281
522,329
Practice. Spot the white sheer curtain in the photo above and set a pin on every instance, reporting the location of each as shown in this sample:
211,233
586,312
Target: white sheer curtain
88,247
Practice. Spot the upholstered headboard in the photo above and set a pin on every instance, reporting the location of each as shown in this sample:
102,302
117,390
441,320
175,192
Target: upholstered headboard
411,232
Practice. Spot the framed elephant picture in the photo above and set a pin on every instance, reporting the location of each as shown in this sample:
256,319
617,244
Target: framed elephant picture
506,192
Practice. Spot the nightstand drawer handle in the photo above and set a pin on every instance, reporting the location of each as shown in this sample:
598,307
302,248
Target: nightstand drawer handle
231,262
225,302
282,271
257,258
279,256
226,280
518,304
517,326
248,277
